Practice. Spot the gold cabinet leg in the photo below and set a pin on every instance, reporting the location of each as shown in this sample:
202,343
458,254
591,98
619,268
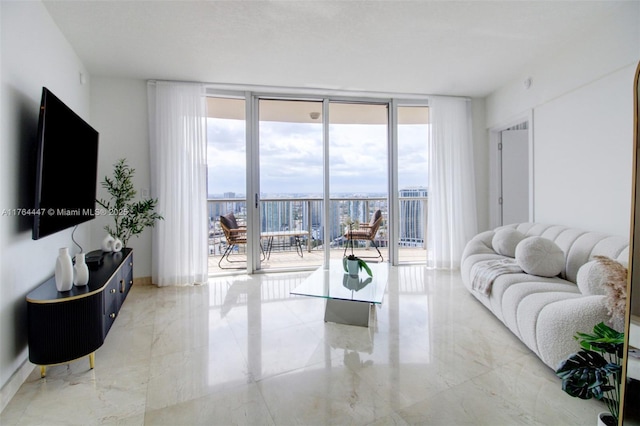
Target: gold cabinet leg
43,371
92,360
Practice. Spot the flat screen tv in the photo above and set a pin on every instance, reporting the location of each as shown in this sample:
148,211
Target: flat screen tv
66,168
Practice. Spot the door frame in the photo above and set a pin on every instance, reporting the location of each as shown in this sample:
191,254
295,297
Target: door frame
495,181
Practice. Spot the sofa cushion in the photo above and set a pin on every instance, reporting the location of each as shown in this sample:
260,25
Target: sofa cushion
592,278
505,240
540,256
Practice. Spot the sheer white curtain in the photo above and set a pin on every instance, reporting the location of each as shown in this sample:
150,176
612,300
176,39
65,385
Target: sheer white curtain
452,196
177,131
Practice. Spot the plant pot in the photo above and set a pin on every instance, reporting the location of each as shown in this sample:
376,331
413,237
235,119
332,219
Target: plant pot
606,419
353,268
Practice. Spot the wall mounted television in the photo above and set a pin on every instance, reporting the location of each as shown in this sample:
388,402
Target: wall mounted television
66,168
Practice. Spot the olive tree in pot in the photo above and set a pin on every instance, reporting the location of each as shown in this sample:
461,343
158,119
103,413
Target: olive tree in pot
130,218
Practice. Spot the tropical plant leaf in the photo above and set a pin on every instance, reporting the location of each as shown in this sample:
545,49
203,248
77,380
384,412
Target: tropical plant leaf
604,339
587,374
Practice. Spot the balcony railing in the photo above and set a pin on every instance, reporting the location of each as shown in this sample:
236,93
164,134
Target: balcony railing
305,215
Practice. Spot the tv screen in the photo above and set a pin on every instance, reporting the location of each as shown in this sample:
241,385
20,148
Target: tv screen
66,171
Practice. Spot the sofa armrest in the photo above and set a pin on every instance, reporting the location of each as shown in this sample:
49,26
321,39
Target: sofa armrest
558,323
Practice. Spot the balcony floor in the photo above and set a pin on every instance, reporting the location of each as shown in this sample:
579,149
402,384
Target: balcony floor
289,259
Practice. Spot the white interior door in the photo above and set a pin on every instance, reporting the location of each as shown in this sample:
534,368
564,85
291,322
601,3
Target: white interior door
514,159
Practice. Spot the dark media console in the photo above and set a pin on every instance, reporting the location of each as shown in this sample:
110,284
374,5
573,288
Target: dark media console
66,326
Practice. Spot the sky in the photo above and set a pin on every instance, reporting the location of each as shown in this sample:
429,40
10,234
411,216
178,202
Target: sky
291,157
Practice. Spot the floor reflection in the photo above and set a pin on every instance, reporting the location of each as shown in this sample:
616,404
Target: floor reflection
242,350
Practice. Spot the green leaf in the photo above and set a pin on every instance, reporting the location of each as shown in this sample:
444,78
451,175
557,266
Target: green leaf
130,218
363,265
587,375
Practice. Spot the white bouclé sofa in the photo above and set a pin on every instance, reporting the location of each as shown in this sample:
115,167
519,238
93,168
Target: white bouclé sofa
544,312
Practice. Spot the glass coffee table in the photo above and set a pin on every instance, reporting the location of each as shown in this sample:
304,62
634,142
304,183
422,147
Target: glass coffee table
348,299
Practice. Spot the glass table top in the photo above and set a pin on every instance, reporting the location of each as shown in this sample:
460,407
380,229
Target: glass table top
335,283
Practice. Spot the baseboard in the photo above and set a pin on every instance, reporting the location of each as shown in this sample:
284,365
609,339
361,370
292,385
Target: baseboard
142,281
9,390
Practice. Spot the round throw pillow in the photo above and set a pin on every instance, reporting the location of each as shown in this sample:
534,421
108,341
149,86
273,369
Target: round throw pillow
540,256
505,240
592,278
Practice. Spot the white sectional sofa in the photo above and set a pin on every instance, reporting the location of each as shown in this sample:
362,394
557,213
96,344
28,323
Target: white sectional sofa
544,312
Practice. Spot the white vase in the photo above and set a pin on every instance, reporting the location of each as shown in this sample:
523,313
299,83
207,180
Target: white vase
82,271
64,270
107,243
117,245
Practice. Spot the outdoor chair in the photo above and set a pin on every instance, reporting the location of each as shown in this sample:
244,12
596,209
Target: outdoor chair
235,235
365,232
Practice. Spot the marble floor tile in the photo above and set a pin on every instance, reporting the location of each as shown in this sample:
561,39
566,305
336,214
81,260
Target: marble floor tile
243,350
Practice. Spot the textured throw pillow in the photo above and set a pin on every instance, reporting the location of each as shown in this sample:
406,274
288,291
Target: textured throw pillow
505,240
540,256
591,278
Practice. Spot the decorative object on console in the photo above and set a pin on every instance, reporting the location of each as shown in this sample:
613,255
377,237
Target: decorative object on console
94,259
596,371
130,218
107,243
64,270
81,277
117,245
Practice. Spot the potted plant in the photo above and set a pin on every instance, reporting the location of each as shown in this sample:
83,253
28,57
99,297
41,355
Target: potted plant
130,217
595,371
353,264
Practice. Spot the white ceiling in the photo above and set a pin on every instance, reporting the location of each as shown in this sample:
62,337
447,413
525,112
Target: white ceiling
466,48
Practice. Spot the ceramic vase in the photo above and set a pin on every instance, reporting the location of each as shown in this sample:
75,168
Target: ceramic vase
353,268
81,277
64,270
117,245
107,243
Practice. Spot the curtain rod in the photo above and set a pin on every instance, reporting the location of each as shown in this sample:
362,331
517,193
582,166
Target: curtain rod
284,90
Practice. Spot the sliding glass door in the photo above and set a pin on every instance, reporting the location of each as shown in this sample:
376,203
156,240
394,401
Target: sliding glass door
297,175
358,170
290,144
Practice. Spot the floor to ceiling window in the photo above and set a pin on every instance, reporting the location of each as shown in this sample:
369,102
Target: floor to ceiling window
412,183
226,178
274,162
358,170
290,144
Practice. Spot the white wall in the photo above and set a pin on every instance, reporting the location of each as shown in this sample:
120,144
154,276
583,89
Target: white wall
34,54
481,156
582,103
119,111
